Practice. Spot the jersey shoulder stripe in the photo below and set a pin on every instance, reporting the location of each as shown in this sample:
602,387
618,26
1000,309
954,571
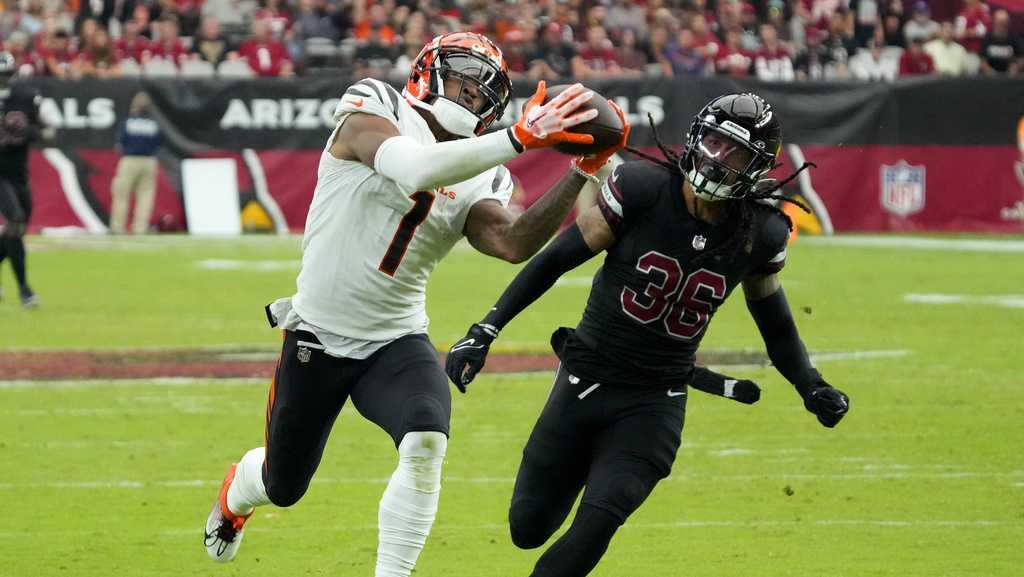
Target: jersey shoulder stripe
375,89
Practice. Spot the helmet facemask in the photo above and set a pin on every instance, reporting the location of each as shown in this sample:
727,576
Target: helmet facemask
481,92
721,162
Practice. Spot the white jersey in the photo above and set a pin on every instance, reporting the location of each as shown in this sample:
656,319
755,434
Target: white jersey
370,244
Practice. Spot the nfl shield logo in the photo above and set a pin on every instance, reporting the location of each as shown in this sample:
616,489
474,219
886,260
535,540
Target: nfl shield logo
303,355
902,188
699,242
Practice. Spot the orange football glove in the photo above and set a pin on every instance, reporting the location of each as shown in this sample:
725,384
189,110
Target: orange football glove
591,164
545,124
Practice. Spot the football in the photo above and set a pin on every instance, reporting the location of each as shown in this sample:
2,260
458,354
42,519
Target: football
606,128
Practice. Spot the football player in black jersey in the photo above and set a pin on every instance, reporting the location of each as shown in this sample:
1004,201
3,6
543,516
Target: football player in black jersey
680,234
19,123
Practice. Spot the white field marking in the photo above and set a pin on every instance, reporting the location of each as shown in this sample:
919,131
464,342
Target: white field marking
248,265
128,484
918,243
638,525
731,452
1013,301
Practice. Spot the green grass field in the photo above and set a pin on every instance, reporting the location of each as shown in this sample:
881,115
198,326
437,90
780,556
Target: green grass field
924,478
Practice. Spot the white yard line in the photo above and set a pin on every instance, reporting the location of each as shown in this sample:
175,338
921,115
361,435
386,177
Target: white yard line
157,382
917,243
1014,301
249,265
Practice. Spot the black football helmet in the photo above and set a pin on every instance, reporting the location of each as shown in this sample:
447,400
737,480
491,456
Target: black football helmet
732,143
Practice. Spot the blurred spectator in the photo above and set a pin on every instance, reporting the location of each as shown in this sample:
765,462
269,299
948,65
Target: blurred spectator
598,55
376,19
733,59
26,63
632,58
817,62
99,58
277,16
210,44
703,40
684,57
313,21
138,140
866,15
915,61
874,63
626,15
773,61
839,42
30,20
657,45
972,24
553,57
949,57
374,56
514,49
920,26
1000,51
102,11
86,29
266,56
58,55
133,45
232,14
168,45
892,31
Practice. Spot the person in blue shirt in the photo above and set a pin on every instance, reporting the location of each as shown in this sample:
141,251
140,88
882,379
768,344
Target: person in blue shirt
138,141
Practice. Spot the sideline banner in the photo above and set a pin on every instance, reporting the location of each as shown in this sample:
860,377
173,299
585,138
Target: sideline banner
922,154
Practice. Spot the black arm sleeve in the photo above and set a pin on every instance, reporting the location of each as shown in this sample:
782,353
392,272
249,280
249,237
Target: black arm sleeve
785,349
565,253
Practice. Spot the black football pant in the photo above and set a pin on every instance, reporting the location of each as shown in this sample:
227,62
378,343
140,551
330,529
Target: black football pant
615,444
401,388
16,209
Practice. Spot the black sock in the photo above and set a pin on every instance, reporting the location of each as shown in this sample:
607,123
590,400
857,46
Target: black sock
16,252
577,552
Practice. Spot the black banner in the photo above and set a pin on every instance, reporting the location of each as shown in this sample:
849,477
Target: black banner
281,114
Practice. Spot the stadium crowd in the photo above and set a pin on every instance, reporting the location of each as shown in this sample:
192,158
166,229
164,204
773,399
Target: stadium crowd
776,40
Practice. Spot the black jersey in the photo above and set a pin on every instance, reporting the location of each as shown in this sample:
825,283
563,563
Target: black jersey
19,119
652,300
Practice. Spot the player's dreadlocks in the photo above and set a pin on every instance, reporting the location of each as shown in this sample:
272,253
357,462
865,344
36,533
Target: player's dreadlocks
742,211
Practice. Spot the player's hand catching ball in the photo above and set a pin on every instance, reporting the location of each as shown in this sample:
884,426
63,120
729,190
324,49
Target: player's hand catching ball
827,403
468,355
591,164
545,124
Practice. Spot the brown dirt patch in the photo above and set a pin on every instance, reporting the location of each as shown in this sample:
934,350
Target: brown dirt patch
239,363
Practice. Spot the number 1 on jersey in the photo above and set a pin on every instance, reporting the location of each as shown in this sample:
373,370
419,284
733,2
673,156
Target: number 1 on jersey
422,201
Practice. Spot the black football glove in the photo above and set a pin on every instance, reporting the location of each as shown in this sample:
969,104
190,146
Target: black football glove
743,391
468,355
827,403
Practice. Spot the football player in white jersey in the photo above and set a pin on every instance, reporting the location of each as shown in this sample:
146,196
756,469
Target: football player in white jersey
402,178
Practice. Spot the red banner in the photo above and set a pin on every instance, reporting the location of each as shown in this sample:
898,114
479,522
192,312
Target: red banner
862,188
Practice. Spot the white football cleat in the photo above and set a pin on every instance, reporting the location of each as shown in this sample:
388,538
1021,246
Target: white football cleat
223,533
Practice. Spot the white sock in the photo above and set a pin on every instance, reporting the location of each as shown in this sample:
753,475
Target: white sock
247,491
409,504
